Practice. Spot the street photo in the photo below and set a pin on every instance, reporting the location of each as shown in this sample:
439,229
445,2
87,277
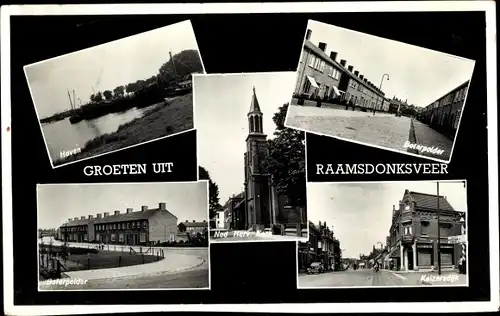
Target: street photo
116,95
254,164
385,234
379,92
121,236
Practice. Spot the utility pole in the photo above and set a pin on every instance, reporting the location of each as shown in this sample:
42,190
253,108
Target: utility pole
70,102
439,233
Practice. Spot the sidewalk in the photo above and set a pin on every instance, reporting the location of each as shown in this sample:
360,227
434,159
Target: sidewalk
426,136
171,264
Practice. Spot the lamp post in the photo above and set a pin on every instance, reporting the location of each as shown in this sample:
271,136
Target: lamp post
438,233
380,87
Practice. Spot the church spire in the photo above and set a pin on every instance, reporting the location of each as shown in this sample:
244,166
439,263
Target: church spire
255,116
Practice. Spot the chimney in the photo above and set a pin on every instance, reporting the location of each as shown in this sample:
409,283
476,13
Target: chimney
343,62
204,221
129,210
333,56
356,73
162,206
365,80
99,215
322,46
106,214
144,208
117,213
361,76
76,218
187,221
91,216
83,217
350,68
70,219
194,221
308,34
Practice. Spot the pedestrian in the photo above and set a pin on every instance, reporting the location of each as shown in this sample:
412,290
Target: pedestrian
318,101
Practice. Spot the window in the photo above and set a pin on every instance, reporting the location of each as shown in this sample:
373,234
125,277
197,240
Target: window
143,237
424,227
121,238
307,86
312,61
445,229
327,89
128,225
464,92
145,225
113,237
133,224
407,229
352,84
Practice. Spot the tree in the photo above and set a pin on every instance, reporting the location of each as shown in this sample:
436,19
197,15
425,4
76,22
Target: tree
108,94
119,91
213,192
98,97
186,62
181,227
286,160
92,97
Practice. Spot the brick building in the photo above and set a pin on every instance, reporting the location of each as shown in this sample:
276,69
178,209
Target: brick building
130,228
444,114
319,74
193,227
414,232
259,206
322,246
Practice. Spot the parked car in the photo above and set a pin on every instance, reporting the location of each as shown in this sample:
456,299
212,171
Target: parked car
315,267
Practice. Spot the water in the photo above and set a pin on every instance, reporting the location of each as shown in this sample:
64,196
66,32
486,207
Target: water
63,136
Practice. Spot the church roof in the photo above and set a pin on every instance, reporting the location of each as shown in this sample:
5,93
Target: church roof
429,201
254,106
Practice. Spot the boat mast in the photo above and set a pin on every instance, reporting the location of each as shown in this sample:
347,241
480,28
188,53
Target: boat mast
70,102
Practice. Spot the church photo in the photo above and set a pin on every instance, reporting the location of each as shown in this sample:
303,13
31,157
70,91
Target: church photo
254,164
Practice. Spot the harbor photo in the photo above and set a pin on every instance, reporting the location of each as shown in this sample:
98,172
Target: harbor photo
116,95
385,234
256,166
119,236
379,92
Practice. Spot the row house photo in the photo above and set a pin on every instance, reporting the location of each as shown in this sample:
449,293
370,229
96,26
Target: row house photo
322,247
444,114
321,77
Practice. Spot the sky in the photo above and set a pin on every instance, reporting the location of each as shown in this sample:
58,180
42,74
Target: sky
57,203
361,213
104,67
417,74
222,124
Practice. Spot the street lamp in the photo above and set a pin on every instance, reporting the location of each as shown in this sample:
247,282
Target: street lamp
380,88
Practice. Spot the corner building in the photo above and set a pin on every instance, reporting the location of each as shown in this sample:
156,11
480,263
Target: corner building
414,233
143,227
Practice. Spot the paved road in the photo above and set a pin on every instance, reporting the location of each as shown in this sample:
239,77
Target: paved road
358,278
381,129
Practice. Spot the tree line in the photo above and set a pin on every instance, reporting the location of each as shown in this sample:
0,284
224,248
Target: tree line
180,65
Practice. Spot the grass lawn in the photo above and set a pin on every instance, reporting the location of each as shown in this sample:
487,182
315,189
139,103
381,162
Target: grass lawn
173,117
106,260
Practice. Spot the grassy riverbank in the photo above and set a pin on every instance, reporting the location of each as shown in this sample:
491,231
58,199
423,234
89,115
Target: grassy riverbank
162,120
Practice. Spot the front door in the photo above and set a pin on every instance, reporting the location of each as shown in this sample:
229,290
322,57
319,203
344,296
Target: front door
410,259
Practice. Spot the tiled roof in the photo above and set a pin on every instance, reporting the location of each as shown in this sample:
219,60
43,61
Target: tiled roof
324,56
194,224
254,106
429,201
117,218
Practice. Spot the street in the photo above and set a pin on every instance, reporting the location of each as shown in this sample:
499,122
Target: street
365,278
382,129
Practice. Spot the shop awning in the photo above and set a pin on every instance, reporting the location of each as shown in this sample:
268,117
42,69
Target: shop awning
312,81
336,90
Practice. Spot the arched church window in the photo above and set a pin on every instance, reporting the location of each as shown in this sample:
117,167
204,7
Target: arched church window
252,124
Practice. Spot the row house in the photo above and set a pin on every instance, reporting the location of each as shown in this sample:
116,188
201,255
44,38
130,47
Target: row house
444,113
413,239
142,227
320,75
322,246
193,227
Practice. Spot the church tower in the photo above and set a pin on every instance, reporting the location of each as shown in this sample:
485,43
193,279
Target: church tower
257,188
